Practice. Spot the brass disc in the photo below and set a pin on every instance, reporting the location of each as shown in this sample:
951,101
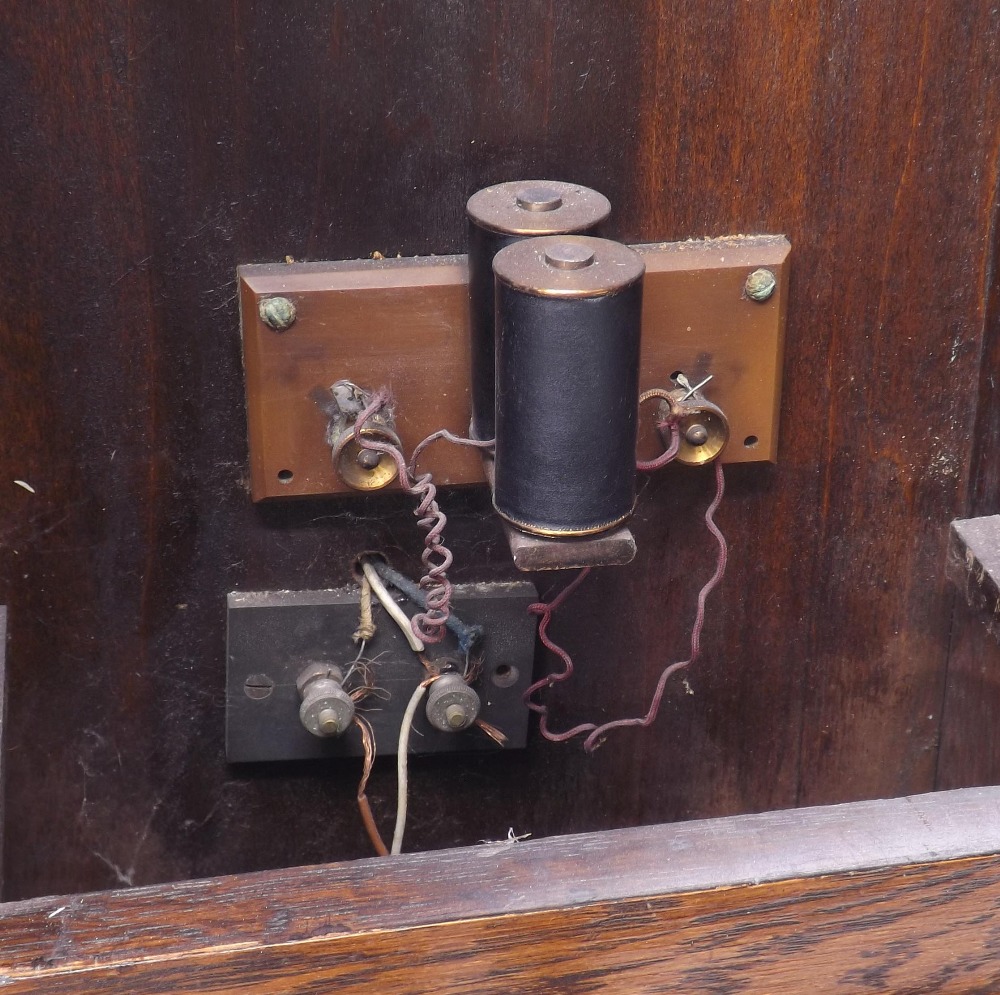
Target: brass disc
349,466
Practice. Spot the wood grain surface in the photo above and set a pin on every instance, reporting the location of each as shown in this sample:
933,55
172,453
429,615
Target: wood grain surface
147,150
970,747
3,725
891,895
970,741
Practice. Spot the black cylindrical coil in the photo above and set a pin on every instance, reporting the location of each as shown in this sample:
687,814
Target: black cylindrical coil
568,319
498,216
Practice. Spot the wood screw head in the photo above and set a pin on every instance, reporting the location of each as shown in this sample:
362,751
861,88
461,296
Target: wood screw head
278,313
760,285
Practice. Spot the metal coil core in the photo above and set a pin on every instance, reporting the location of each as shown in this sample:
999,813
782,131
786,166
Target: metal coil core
498,216
568,316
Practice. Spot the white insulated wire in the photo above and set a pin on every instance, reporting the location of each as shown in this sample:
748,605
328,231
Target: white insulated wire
401,776
387,601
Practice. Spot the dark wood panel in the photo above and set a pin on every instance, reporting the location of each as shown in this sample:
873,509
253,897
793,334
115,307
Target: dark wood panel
149,149
840,124
970,748
79,360
3,724
892,472
970,740
897,895
970,737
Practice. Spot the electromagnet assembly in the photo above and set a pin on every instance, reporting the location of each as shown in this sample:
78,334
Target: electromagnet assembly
551,364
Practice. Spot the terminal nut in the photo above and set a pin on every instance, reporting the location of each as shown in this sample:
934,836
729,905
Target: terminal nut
364,469
451,704
703,427
358,467
326,709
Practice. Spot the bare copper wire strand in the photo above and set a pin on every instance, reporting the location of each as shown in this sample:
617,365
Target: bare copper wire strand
368,742
598,732
428,625
492,731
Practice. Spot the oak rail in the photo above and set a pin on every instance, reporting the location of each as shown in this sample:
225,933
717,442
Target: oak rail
899,895
974,566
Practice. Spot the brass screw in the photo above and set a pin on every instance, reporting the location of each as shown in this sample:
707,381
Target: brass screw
760,285
328,722
278,313
696,435
455,716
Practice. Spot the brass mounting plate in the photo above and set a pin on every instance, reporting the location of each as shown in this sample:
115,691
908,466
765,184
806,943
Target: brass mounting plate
404,323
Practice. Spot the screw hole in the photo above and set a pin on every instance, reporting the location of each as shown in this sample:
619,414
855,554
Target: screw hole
285,476
258,686
676,374
505,676
750,441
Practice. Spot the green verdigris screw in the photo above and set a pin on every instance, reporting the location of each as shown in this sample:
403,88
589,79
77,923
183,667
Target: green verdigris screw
760,285
278,313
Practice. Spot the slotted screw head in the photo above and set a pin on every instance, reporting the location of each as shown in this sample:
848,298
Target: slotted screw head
697,434
278,313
